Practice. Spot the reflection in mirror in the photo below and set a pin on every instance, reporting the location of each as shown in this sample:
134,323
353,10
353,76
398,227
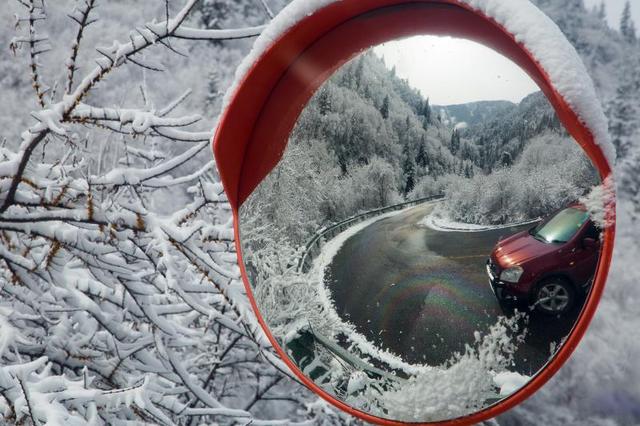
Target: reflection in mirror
421,251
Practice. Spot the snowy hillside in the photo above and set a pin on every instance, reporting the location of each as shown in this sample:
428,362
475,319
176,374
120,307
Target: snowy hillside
473,113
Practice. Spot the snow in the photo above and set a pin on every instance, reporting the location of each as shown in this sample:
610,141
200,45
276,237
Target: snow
462,387
443,224
52,119
600,203
357,382
530,26
217,34
509,382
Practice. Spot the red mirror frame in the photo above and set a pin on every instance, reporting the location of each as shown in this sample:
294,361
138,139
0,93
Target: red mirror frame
254,130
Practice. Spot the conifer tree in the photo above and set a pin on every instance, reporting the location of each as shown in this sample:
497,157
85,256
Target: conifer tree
409,171
324,102
455,142
507,159
426,112
602,11
421,158
385,108
627,26
359,72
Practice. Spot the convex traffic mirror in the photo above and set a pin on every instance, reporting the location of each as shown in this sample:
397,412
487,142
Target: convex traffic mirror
424,224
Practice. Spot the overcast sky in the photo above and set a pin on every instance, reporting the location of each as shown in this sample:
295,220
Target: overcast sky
454,71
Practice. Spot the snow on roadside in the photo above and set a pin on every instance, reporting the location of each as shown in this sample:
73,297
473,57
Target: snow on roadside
438,223
509,382
317,274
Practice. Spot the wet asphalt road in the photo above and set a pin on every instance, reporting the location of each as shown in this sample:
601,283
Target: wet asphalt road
422,293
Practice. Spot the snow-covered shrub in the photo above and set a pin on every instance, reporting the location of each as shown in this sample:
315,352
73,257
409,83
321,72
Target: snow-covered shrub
551,173
460,387
429,186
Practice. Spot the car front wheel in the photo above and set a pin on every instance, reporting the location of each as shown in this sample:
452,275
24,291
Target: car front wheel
554,296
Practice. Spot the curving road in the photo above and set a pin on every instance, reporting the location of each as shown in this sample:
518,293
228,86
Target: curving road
422,293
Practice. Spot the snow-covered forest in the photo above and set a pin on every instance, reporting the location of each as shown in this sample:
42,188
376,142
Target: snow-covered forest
551,172
367,139
120,297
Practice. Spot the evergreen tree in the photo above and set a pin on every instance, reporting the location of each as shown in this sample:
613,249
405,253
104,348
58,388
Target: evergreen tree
507,159
411,180
455,142
623,114
367,92
602,11
324,102
627,26
359,72
408,170
421,158
426,112
385,107
468,171
482,161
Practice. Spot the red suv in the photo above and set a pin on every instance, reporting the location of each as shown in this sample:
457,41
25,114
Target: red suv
549,265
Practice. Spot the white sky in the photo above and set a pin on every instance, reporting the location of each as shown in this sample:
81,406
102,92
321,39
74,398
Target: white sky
454,71
614,10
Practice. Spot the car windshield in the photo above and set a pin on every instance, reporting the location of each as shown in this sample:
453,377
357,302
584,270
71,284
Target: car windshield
561,227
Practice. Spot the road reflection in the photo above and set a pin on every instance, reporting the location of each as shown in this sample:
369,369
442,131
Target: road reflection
423,294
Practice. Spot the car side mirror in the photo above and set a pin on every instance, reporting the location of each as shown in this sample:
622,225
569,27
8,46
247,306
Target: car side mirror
591,243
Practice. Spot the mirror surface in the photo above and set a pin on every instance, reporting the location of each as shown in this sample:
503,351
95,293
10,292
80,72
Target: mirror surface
421,251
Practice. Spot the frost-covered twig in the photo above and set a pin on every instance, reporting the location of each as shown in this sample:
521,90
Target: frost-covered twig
81,17
267,9
36,13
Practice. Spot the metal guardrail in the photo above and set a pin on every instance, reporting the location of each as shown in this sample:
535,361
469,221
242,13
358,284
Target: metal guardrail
325,234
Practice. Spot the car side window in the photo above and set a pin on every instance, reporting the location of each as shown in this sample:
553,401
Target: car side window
592,231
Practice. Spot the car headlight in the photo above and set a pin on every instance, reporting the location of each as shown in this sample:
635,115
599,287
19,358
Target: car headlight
512,275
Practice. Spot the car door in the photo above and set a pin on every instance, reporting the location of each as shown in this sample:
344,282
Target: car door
583,259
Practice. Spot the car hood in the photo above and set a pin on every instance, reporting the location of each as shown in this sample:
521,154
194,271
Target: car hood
520,248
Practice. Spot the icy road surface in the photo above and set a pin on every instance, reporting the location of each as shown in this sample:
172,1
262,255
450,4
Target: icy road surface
422,293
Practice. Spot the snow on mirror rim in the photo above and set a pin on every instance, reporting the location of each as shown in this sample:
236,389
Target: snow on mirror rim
540,36
289,244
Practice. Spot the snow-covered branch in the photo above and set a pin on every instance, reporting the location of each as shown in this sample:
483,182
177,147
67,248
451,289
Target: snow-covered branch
200,34
37,45
54,119
81,17
120,293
